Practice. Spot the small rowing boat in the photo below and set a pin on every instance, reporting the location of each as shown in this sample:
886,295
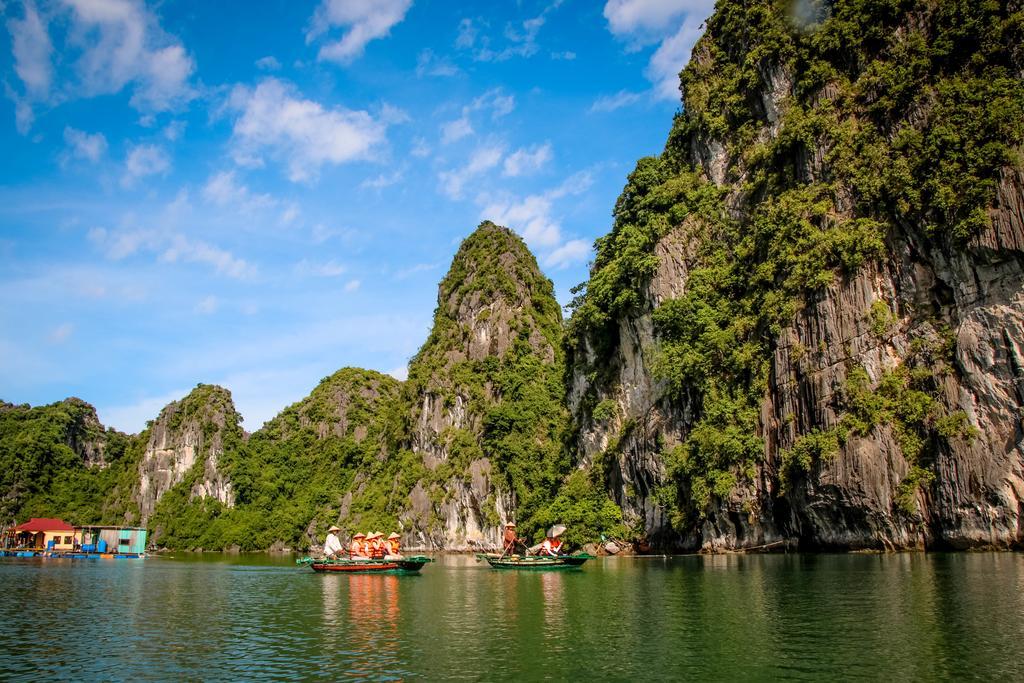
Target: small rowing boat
535,561
363,565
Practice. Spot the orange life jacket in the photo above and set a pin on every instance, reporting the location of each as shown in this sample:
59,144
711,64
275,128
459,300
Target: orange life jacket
356,548
551,546
392,545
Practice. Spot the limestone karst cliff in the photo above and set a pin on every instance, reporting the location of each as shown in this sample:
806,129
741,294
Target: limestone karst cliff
806,323
482,415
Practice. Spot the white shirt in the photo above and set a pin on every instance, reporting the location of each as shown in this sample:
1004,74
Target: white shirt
332,545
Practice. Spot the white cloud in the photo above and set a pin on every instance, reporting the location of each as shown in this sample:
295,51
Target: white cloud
275,119
174,130
352,285
124,44
208,305
621,99
453,131
650,19
524,160
467,34
365,20
573,251
61,333
532,217
170,247
30,43
495,100
401,373
84,145
567,55
674,24
672,55
224,262
108,45
429,64
268,63
222,189
142,161
329,269
383,180
290,213
529,216
519,38
483,159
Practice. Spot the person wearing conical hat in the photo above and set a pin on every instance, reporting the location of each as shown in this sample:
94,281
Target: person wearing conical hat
377,548
356,547
368,544
552,544
509,539
332,545
392,546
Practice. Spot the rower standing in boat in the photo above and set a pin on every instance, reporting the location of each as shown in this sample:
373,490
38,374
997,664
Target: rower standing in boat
332,545
509,540
552,544
355,549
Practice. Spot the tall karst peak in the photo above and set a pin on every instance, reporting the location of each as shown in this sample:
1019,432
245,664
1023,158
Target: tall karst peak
188,441
493,293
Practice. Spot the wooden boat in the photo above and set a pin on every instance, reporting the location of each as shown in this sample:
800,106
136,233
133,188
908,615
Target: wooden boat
365,565
535,561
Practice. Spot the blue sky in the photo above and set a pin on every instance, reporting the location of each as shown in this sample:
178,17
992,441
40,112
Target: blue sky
256,194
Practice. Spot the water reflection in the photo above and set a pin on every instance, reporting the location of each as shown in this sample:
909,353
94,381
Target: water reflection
373,635
554,605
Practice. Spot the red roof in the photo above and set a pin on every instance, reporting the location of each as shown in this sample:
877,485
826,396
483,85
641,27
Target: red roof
44,524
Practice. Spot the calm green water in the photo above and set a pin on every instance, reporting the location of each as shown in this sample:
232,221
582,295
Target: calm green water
901,617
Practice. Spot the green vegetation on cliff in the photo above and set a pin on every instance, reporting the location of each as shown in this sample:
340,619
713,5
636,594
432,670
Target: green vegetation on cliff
43,470
828,135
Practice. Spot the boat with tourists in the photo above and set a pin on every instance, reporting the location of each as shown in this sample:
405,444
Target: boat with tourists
550,554
366,565
497,561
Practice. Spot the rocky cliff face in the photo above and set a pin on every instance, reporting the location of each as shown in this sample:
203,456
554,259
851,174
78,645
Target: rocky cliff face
820,339
484,397
187,441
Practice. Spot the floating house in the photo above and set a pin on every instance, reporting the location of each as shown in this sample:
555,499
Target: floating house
113,539
56,538
43,533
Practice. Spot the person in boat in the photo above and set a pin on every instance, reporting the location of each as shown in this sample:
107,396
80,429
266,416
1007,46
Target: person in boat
355,549
510,539
332,544
368,544
552,545
376,544
392,547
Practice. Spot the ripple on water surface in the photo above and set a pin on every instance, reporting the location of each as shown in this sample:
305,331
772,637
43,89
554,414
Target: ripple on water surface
909,616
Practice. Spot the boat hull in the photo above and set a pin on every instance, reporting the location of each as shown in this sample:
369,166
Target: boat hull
405,566
536,562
